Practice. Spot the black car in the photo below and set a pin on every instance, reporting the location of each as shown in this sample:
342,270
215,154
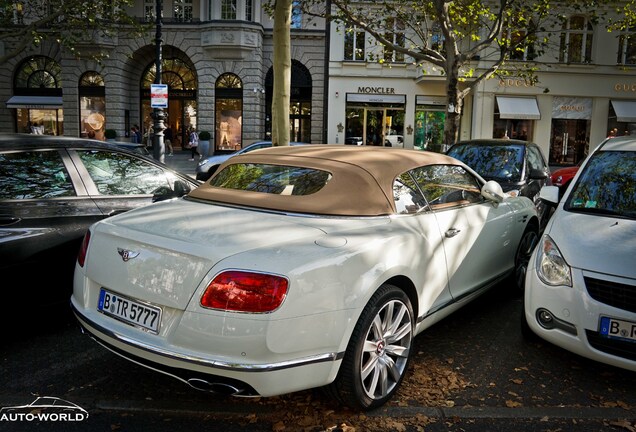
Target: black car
518,166
51,190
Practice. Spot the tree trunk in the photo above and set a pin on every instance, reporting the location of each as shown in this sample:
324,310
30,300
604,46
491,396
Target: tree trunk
282,73
453,111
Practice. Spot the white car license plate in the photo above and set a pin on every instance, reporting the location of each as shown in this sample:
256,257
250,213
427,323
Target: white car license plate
615,328
130,311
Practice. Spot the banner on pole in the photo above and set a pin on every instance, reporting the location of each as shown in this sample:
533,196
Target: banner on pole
159,95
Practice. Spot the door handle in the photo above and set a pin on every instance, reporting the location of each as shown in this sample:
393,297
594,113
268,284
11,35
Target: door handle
452,232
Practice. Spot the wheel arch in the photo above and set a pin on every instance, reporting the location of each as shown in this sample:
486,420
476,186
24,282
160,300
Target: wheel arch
406,285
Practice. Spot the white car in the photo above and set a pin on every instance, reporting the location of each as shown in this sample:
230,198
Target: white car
581,287
301,267
392,140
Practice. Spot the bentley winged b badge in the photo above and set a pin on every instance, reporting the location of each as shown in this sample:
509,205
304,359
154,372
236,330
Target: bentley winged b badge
126,254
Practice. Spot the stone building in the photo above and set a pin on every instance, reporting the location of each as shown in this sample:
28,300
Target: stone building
217,63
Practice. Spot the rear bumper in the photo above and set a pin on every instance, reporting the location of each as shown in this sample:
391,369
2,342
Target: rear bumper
218,376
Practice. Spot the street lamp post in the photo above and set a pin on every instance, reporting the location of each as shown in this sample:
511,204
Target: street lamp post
158,150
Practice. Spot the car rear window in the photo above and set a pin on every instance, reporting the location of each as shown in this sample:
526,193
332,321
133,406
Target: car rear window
271,179
493,162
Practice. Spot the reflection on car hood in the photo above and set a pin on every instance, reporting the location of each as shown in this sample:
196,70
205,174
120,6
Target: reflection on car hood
596,243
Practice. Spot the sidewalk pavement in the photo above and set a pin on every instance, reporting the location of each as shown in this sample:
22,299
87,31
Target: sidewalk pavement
180,161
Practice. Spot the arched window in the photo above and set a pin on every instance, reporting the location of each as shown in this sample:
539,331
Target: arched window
37,87
39,72
92,105
228,113
181,78
576,40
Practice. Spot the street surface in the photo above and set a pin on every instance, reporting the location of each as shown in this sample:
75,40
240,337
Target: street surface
471,372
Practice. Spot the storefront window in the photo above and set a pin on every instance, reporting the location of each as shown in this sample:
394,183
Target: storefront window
429,126
181,114
299,122
92,103
570,135
376,123
512,128
621,119
514,117
228,113
38,97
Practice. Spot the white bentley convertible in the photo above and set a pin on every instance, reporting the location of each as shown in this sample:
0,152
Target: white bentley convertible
300,267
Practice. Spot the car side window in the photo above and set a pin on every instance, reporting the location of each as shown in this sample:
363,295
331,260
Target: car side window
446,186
408,199
34,175
119,174
535,160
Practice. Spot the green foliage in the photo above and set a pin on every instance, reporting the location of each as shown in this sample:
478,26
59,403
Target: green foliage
204,136
110,134
79,27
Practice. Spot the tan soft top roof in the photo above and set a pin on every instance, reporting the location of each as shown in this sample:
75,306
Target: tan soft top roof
361,183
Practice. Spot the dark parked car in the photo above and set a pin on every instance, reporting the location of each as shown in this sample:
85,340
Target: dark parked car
51,190
134,147
208,165
518,166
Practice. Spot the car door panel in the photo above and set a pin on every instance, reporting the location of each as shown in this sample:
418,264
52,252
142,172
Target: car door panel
42,216
475,232
119,182
477,244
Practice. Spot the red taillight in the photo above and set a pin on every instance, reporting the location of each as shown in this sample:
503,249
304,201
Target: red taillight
81,256
245,292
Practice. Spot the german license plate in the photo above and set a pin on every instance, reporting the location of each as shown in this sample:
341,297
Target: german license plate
615,328
130,311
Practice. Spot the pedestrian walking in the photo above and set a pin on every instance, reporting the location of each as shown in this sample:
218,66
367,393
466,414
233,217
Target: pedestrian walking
167,139
134,138
194,144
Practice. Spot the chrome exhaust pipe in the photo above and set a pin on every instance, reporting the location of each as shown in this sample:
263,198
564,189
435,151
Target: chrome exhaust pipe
218,388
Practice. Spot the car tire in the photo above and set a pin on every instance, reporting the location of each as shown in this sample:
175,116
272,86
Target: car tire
378,353
528,242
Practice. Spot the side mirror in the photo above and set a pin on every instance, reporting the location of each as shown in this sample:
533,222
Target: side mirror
537,174
492,191
549,194
179,189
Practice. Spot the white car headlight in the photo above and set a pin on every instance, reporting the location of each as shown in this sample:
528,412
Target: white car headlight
551,266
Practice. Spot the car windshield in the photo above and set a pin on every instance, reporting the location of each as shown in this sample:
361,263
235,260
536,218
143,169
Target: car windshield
272,179
606,186
493,162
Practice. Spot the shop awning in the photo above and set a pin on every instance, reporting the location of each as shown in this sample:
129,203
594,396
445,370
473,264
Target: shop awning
37,102
625,110
521,108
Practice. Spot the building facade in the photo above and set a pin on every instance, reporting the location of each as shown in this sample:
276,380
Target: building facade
217,63
586,91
